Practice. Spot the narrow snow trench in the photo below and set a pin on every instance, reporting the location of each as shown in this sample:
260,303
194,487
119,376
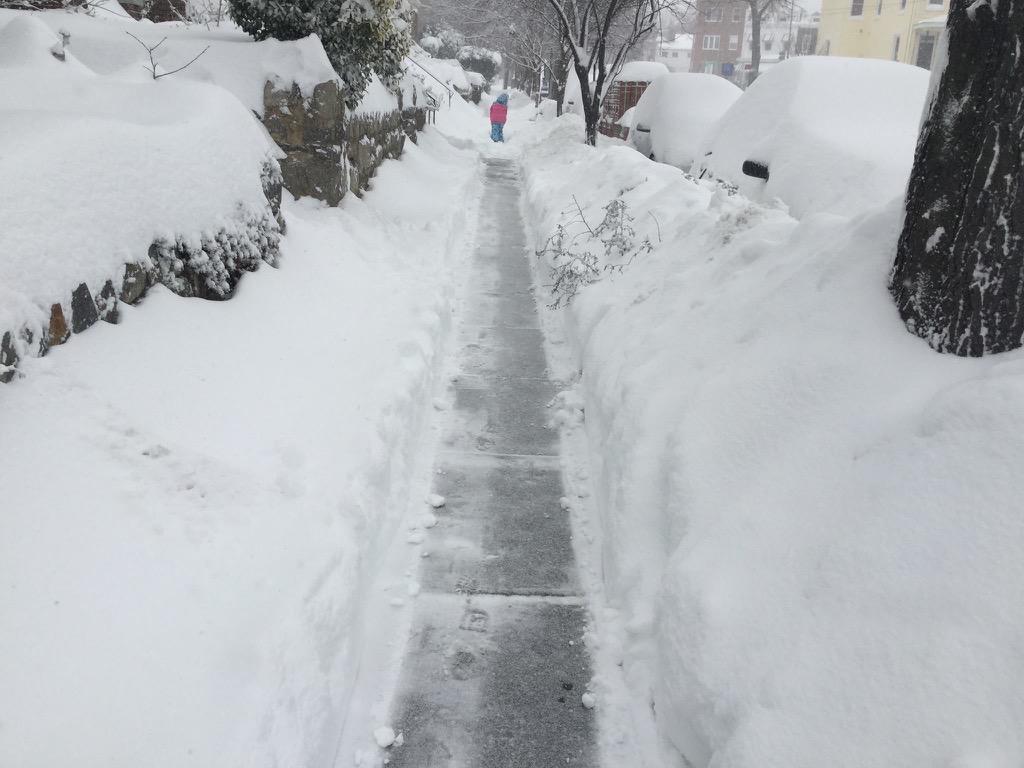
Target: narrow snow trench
496,668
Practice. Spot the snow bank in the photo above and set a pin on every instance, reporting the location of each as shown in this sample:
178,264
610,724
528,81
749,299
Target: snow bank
837,134
378,99
809,522
232,61
641,71
679,110
197,501
96,167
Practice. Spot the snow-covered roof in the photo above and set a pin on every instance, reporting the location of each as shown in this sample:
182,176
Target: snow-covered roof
641,71
679,43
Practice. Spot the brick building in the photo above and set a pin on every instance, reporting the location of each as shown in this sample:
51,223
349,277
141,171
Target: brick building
718,36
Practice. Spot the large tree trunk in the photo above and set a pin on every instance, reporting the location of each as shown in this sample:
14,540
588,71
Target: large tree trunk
590,96
958,279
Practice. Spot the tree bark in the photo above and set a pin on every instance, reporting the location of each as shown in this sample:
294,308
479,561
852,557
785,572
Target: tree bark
958,278
590,97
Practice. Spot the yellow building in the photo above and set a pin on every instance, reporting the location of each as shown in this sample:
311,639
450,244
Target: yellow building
900,30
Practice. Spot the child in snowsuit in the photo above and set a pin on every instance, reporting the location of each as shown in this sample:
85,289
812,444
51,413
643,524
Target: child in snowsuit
499,113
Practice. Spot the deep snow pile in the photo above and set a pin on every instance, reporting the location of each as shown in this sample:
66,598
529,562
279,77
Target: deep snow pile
231,59
810,522
837,134
679,109
197,501
378,99
99,163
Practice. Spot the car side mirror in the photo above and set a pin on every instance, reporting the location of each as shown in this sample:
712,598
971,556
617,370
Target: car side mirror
755,169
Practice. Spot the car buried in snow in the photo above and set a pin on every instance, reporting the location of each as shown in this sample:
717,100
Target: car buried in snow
821,134
675,113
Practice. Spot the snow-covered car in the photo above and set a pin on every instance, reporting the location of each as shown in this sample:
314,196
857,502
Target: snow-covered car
675,113
831,134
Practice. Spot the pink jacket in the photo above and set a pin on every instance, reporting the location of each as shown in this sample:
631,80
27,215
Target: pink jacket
499,113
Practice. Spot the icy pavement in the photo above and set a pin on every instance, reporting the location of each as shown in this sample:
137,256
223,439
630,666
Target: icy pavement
496,669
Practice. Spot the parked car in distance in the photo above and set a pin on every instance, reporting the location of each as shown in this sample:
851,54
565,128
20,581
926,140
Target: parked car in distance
675,113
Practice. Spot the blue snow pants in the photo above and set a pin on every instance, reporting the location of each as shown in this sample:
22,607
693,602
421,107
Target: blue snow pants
497,132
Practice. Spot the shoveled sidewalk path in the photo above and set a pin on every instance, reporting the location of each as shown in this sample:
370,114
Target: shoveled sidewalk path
496,664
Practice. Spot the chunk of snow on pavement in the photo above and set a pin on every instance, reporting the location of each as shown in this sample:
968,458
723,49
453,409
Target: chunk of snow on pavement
384,736
436,500
588,700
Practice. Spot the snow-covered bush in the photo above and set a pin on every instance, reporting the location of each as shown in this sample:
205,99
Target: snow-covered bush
573,266
444,42
361,37
478,59
430,44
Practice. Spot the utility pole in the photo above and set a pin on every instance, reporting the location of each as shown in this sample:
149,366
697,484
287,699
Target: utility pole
789,40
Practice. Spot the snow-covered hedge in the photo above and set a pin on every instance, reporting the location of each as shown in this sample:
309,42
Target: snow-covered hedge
809,522
99,167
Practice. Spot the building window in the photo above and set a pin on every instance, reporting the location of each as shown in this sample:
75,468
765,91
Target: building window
738,14
734,41
895,47
925,50
767,45
709,68
711,42
857,7
878,10
713,14
903,5
935,3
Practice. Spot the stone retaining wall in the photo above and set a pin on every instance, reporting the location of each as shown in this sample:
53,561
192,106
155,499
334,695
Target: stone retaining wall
372,139
311,132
